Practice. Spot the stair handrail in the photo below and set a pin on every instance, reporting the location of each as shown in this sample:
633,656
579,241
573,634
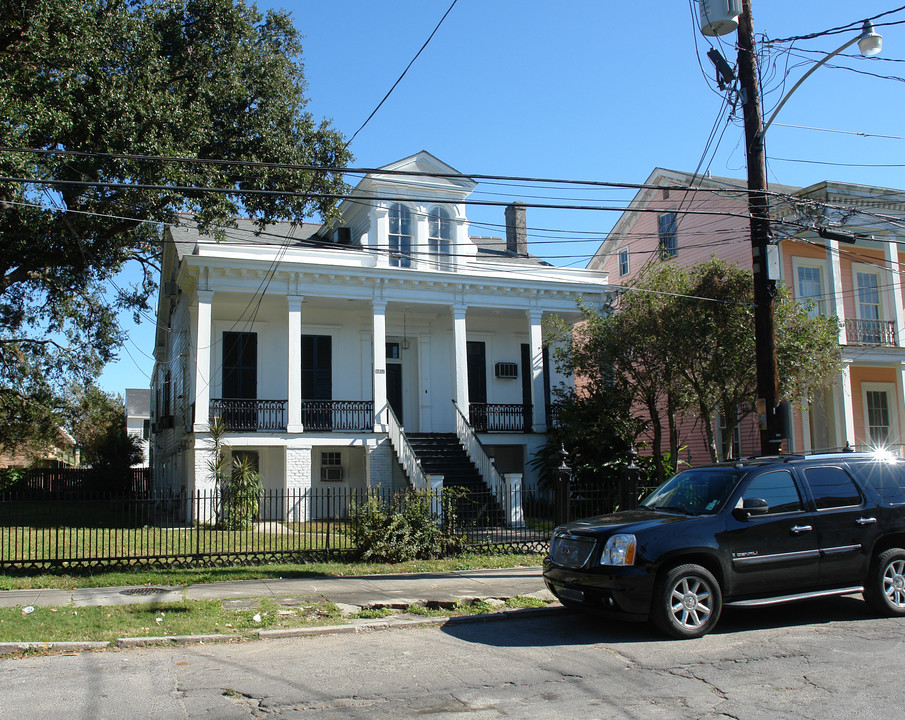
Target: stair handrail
478,455
404,452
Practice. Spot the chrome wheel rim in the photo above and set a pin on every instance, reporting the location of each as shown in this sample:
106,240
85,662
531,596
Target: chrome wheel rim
894,583
691,602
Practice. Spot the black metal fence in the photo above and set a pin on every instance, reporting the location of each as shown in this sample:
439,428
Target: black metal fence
41,481
77,528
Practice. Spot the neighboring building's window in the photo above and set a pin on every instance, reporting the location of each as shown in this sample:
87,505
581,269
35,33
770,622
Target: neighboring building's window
400,236
623,262
810,288
145,429
878,421
870,330
868,295
439,236
666,233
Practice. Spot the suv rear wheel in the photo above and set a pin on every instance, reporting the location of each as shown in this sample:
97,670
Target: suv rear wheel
885,588
687,601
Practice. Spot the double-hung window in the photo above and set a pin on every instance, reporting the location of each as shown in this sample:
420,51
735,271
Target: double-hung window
439,237
623,263
668,246
400,236
810,288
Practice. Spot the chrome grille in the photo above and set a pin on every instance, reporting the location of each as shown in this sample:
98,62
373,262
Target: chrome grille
571,550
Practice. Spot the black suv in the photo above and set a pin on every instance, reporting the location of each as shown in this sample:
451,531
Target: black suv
749,533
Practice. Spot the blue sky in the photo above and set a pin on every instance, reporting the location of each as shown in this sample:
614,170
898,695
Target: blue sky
585,89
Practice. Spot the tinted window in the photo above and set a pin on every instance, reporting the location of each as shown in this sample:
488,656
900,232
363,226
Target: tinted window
778,489
695,491
886,478
832,487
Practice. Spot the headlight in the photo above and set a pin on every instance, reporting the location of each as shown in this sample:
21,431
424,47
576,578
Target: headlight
619,550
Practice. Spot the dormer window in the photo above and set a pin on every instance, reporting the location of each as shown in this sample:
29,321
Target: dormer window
439,236
400,236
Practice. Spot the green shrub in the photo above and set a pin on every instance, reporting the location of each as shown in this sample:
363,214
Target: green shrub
404,526
9,478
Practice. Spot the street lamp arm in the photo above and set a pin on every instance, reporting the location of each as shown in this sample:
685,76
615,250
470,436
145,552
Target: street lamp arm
801,80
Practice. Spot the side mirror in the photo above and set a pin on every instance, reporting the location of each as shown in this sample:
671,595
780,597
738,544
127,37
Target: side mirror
751,507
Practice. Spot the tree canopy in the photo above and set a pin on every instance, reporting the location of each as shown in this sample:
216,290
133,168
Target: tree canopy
99,97
680,343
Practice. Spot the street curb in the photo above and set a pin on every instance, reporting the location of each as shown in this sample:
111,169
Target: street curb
133,642
12,648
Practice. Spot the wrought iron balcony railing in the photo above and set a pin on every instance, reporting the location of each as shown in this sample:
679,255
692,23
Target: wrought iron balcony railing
338,415
250,415
500,417
870,332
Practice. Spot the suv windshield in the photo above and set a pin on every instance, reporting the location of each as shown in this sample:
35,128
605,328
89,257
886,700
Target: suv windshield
698,491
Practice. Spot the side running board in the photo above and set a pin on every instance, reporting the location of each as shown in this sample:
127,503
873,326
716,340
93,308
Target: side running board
760,602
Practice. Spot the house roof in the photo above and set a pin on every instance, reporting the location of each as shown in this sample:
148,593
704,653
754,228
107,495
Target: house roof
187,237
494,248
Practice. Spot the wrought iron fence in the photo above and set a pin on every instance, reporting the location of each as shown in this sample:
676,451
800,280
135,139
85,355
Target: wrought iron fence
84,529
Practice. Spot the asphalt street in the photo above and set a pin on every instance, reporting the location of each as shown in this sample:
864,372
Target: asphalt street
823,659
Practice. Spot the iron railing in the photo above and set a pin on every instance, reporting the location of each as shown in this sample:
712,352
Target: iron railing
338,415
82,529
500,417
250,415
870,332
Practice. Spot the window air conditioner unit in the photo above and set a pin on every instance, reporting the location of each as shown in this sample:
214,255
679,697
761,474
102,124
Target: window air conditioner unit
507,370
331,473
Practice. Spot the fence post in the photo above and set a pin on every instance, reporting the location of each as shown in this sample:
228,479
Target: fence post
562,479
628,492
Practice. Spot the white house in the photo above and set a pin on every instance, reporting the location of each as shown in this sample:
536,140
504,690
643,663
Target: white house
337,355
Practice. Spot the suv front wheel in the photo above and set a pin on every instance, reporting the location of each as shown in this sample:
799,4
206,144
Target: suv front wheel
885,588
687,602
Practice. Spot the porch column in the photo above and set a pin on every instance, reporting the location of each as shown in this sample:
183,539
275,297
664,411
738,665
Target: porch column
380,365
834,280
891,251
203,362
461,358
847,424
538,402
294,382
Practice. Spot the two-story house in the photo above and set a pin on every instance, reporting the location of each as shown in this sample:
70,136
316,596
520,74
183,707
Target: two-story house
338,355
678,217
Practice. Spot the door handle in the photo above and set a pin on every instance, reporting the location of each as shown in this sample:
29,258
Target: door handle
866,521
798,529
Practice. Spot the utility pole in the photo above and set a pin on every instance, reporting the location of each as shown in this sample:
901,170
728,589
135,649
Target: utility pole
759,210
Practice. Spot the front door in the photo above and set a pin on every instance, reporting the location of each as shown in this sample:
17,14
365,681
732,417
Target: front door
394,389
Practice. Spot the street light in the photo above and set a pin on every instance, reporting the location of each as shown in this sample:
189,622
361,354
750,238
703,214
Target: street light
869,43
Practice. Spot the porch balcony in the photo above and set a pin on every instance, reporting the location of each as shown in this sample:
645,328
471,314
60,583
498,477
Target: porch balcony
500,417
271,415
870,332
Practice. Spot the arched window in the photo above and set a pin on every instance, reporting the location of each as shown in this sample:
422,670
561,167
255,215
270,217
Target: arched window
439,235
400,236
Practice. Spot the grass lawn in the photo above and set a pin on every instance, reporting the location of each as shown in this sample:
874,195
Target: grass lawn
66,579
202,617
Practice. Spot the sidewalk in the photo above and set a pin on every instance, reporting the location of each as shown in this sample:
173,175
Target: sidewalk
364,590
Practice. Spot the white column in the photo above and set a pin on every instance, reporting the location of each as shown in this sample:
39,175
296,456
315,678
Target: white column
515,516
847,412
461,358
805,416
425,383
203,362
538,404
421,256
294,383
379,235
891,251
834,281
380,365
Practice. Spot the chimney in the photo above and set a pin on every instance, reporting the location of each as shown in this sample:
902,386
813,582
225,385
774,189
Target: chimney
516,229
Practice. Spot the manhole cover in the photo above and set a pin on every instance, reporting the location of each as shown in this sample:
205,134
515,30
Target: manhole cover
143,591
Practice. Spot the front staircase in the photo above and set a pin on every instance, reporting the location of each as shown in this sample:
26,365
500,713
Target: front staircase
443,454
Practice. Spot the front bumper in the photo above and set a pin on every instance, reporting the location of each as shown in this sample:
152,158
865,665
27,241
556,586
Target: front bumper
624,590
